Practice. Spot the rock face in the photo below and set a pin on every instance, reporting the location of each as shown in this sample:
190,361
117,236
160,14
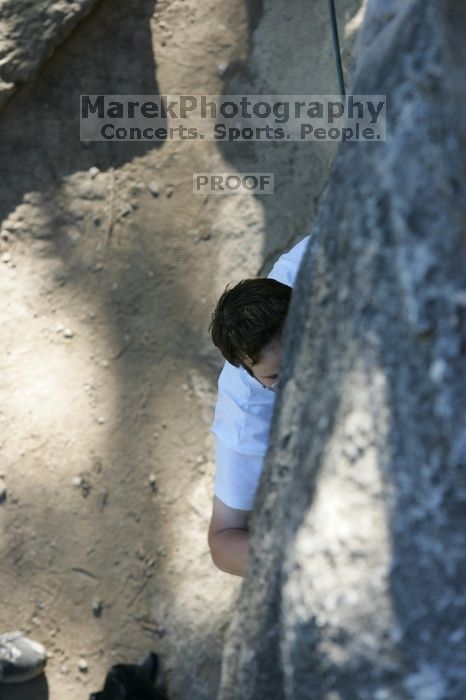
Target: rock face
356,582
29,32
291,53
72,246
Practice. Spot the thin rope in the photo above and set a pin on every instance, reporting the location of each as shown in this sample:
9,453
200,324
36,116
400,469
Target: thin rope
336,46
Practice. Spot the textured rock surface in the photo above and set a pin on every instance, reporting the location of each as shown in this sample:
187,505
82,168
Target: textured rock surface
29,32
355,587
104,331
291,53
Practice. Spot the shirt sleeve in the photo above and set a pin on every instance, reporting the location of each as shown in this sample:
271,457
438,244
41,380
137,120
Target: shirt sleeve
236,477
286,268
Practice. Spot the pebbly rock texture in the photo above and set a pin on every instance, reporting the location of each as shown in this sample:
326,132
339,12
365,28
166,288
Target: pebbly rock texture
290,53
356,582
29,32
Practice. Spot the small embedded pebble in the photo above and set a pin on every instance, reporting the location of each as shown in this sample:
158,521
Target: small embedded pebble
154,188
2,491
97,608
76,481
93,171
125,209
82,665
6,257
101,420
68,333
153,482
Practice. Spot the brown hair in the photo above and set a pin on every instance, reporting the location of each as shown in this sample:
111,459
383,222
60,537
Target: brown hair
248,317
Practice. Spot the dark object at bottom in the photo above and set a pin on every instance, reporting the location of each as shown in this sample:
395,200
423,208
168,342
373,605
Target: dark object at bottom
132,682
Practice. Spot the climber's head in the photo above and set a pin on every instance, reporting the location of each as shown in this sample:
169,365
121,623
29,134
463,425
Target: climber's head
247,324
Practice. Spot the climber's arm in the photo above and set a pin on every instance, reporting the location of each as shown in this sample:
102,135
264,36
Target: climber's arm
228,537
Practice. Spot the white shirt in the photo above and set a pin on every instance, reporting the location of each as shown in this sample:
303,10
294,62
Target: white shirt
243,414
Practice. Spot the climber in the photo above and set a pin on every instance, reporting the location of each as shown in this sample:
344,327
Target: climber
246,326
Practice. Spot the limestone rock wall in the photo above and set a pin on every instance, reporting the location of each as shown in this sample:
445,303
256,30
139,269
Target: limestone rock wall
291,53
29,33
355,586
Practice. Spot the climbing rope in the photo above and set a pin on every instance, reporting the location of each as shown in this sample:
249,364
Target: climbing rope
336,46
